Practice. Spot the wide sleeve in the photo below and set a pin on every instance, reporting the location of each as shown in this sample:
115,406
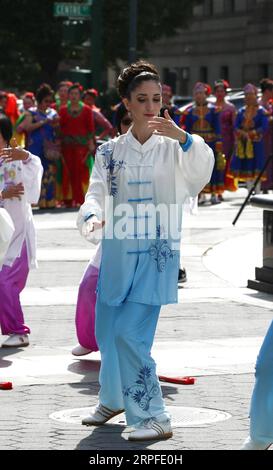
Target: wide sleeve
263,122
94,203
32,172
193,167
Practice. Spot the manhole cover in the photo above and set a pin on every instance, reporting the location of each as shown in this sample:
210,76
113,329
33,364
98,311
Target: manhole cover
182,417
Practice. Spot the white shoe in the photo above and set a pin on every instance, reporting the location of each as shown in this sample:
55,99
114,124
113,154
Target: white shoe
80,350
16,341
249,444
100,415
152,430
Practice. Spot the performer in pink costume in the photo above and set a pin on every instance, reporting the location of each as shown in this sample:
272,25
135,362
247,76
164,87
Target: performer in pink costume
85,309
86,302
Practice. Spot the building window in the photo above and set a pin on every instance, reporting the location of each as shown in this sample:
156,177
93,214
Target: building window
263,71
251,4
204,74
224,72
229,6
170,77
198,10
208,7
183,80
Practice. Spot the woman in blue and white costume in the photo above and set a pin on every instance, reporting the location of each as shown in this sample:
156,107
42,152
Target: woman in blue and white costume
261,406
138,185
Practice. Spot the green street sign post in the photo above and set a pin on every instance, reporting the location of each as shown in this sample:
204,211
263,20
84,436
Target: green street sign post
96,41
73,10
82,11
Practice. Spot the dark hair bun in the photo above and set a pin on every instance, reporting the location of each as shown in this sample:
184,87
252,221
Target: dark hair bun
5,127
133,70
43,91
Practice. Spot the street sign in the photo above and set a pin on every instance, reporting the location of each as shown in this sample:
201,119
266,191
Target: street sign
73,10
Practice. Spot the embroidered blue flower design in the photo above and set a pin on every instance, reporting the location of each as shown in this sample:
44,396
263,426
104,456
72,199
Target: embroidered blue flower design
112,167
138,395
160,251
144,389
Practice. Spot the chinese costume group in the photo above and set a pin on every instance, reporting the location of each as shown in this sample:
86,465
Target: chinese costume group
241,141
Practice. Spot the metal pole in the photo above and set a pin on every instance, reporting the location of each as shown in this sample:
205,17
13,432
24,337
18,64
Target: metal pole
133,30
96,44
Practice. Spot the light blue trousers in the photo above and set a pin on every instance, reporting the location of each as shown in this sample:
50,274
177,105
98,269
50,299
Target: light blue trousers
261,410
128,377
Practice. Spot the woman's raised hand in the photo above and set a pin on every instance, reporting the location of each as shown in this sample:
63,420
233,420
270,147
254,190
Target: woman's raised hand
13,153
165,126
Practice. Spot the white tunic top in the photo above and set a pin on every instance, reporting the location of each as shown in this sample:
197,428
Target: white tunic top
143,266
29,173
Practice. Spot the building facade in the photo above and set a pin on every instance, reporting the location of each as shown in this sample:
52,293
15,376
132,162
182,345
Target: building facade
230,39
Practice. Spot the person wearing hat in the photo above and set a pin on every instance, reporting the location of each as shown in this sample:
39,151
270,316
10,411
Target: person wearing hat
202,119
77,135
89,98
227,113
266,101
251,125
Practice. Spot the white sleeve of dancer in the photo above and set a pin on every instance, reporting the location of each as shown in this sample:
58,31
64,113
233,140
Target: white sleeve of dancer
94,203
194,166
32,172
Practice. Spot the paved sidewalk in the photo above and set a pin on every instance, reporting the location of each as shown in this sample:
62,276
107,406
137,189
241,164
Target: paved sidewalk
214,334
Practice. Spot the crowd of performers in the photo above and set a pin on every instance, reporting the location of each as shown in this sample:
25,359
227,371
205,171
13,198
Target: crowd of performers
241,140
62,129
62,133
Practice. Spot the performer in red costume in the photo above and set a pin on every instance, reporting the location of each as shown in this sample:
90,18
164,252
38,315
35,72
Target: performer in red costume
77,131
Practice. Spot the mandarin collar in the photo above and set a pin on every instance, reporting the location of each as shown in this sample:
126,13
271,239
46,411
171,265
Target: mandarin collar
142,148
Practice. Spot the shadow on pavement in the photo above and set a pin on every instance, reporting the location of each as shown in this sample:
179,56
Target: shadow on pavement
108,437
89,369
84,366
8,352
168,391
260,295
4,363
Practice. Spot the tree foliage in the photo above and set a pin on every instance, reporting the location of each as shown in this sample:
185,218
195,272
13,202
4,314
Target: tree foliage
31,39
30,42
156,19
